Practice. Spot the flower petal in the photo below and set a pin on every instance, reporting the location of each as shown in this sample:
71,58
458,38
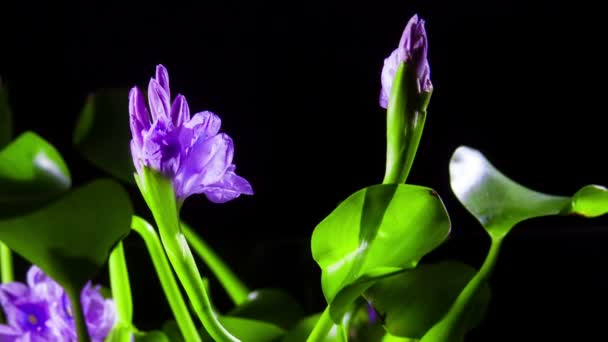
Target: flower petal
391,63
139,118
9,333
159,101
180,112
228,188
162,77
205,164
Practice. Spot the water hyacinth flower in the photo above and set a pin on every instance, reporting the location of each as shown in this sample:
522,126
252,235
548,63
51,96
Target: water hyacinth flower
39,310
412,50
188,150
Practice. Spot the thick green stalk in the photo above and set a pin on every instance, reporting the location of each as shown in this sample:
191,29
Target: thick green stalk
450,327
160,197
237,291
405,118
121,287
167,280
6,264
79,319
321,328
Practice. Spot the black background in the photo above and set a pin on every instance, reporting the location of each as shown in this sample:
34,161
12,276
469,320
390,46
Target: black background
296,84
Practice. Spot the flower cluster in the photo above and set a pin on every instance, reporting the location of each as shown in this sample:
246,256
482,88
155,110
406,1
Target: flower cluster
188,150
412,49
40,310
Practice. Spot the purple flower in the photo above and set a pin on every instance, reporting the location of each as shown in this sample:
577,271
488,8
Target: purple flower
189,150
39,311
412,49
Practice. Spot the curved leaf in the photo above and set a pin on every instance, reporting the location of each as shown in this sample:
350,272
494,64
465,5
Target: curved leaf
102,133
6,117
302,330
248,330
413,301
377,231
270,305
499,203
71,238
32,173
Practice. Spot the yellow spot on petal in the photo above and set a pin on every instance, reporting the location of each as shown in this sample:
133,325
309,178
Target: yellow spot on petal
32,319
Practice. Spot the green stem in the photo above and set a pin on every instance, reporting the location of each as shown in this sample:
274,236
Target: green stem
121,287
167,280
160,197
451,326
6,264
79,320
237,291
322,327
405,118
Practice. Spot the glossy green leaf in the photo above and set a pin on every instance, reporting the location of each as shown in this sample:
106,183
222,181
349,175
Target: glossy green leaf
413,301
171,329
248,330
377,231
152,336
499,203
32,173
270,305
71,238
6,117
102,133
302,330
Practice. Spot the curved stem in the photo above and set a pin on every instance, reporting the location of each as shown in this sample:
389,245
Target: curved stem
79,320
160,197
451,326
322,328
6,264
235,288
167,280
121,287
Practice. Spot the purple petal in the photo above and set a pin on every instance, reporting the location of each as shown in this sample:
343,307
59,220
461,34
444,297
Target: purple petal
162,77
203,125
180,112
9,333
139,118
391,63
100,313
228,188
205,164
159,102
161,150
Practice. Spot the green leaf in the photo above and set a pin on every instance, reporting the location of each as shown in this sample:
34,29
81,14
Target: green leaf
32,173
71,238
171,329
152,336
102,133
377,231
6,117
270,305
248,330
413,301
499,203
302,330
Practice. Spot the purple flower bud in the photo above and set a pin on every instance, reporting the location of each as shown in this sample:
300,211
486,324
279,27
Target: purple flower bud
412,50
40,311
186,149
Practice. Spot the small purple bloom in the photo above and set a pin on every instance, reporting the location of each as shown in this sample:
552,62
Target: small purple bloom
189,150
412,49
39,311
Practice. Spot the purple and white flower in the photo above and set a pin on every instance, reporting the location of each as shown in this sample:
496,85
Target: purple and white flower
188,150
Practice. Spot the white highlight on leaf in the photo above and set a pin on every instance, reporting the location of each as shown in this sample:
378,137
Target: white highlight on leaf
467,169
44,163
